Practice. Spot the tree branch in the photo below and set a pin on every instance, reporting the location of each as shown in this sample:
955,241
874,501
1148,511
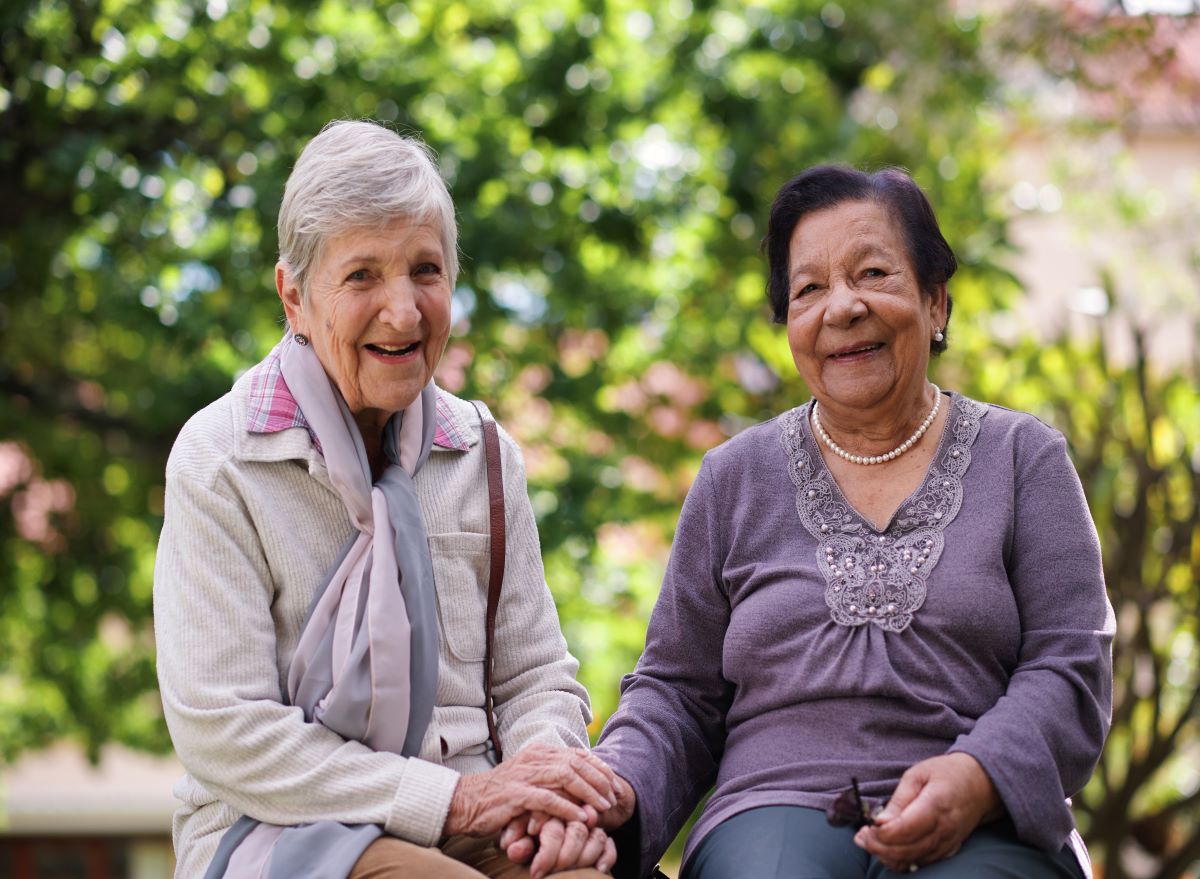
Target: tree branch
1182,860
56,405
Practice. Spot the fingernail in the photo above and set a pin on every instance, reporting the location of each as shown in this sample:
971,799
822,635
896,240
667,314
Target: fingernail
886,815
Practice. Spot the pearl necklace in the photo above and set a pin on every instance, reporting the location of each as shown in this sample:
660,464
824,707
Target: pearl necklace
887,456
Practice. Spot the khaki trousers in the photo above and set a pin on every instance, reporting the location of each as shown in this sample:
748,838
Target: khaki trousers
461,857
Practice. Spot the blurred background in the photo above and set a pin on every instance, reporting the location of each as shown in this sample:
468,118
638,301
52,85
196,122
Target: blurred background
612,162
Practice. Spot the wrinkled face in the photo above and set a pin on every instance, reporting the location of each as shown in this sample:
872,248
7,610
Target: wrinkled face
377,314
858,324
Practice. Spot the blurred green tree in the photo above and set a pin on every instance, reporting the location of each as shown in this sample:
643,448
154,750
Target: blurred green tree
1137,445
1134,434
1128,404
612,164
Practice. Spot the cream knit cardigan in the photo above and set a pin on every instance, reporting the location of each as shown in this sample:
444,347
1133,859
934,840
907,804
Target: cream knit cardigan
252,526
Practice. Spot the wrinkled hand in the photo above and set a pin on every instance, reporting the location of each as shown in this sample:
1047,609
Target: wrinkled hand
936,806
622,810
562,782
552,844
555,845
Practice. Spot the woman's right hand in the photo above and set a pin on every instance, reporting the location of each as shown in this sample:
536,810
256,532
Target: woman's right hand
624,804
541,778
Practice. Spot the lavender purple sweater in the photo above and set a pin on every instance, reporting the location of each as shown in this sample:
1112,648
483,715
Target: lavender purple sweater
794,646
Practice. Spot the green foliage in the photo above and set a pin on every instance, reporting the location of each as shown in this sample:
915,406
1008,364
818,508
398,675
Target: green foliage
1135,438
612,164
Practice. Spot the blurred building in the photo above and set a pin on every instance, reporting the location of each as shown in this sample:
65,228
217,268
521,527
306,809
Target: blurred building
63,818
1104,183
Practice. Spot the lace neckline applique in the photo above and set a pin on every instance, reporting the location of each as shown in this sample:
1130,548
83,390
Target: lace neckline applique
876,576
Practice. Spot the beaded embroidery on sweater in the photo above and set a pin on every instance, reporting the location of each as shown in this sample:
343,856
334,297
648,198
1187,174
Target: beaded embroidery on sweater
874,577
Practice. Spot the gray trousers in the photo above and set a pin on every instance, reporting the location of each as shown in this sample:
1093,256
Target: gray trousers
790,842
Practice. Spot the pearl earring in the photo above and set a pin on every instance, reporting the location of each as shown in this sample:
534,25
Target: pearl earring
937,336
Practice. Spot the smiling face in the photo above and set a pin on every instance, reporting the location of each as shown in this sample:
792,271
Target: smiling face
857,322
377,314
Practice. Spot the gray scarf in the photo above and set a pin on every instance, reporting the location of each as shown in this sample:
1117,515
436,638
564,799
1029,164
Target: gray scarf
367,660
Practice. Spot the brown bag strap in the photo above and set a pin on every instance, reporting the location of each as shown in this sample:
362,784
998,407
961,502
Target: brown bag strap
495,484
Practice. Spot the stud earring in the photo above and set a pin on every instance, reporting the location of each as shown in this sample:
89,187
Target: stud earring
301,340
938,336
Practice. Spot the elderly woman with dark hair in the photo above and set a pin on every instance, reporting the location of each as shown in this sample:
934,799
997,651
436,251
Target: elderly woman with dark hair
886,602
324,568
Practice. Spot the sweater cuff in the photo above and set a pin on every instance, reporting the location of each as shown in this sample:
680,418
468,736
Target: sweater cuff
422,802
1040,820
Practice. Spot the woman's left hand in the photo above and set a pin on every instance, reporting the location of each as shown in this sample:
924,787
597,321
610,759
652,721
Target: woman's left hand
569,783
936,806
571,845
550,844
555,845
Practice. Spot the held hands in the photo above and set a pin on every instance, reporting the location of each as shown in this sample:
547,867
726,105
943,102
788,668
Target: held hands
556,845
564,783
936,806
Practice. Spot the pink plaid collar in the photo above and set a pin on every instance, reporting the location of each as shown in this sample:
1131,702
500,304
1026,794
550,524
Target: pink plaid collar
272,408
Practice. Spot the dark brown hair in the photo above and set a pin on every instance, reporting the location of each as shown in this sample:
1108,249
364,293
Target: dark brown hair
826,186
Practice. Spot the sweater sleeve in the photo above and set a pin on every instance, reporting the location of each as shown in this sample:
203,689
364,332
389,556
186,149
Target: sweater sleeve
537,696
667,735
1042,739
222,695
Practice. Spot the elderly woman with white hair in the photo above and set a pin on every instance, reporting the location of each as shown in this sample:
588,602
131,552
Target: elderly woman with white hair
328,582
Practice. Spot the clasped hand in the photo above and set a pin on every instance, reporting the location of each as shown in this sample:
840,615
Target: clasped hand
552,804
936,806
551,844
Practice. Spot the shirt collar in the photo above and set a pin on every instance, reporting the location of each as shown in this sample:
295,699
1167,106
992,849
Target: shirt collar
272,408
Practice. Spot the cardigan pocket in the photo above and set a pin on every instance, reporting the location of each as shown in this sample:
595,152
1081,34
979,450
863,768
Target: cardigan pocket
460,570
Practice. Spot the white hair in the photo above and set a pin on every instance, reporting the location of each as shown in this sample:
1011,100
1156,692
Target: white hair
356,175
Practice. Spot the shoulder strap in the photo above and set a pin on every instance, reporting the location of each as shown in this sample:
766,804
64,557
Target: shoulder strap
495,484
